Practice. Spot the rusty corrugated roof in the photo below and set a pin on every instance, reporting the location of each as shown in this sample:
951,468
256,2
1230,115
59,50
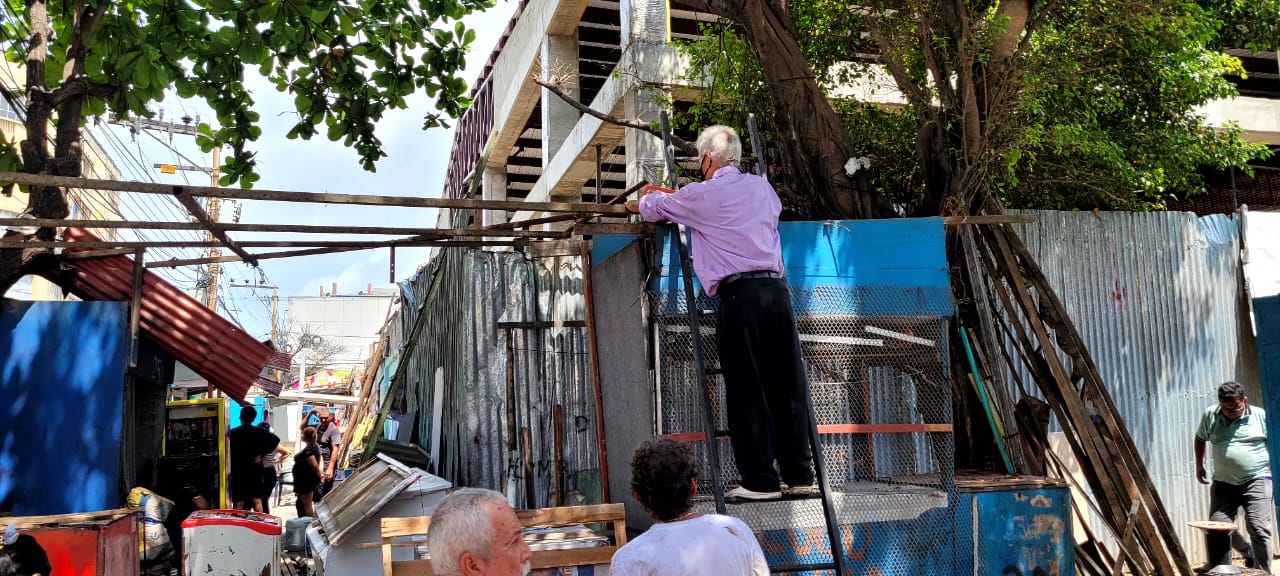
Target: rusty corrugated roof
213,347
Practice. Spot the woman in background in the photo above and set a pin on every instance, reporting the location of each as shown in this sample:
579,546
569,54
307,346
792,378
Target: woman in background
269,475
306,474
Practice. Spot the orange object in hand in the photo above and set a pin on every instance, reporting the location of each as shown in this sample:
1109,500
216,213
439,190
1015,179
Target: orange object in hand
652,188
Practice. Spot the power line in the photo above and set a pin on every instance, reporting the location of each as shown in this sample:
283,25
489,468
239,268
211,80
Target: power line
76,195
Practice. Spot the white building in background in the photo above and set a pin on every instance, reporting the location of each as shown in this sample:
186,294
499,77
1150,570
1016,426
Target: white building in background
352,322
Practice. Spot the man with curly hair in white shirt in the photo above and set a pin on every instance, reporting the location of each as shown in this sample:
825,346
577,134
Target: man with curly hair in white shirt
682,542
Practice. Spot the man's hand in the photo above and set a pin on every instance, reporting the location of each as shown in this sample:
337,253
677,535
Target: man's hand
633,206
1200,473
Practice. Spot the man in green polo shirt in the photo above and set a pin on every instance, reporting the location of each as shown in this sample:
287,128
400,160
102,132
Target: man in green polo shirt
1241,474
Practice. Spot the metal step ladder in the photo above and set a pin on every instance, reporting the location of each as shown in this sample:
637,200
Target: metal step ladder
711,435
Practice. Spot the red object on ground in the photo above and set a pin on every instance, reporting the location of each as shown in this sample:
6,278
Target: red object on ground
258,522
213,347
107,547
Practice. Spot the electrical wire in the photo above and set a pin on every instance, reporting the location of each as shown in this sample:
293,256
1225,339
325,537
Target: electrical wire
77,196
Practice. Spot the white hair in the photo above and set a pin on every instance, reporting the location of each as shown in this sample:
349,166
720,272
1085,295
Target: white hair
461,524
722,144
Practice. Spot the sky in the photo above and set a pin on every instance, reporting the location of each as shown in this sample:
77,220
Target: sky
415,166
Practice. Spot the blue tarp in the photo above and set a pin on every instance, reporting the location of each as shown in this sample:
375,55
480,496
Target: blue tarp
62,367
892,267
1266,318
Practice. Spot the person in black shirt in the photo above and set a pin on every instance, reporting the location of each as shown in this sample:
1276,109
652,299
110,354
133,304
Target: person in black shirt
269,476
248,445
306,474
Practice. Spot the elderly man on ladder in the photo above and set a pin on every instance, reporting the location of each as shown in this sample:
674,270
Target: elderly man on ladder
737,256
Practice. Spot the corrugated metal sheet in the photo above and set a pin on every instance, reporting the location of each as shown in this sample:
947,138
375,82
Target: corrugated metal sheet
1157,298
213,347
457,374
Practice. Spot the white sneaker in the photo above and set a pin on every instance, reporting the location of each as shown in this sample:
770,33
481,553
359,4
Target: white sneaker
741,493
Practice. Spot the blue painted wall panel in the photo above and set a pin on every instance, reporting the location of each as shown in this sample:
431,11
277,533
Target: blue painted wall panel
925,545
1266,319
62,368
1023,532
1017,533
606,245
870,267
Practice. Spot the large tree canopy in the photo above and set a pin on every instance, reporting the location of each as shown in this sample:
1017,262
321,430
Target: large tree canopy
344,62
1037,103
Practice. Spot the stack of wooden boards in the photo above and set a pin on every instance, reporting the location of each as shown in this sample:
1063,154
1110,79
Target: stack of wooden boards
1014,303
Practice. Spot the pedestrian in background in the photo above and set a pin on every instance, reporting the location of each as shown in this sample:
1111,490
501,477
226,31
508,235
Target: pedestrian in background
249,444
306,474
329,436
269,475
1241,475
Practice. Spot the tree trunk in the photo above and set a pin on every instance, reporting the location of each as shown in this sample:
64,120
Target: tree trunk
808,130
67,154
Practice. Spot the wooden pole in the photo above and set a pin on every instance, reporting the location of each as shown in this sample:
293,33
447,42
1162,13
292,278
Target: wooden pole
135,305
321,251
210,222
109,244
283,228
362,407
315,197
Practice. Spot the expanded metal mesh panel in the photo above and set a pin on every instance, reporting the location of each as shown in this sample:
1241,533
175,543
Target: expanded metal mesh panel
881,396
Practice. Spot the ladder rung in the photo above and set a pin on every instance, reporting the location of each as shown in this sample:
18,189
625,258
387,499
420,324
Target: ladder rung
785,568
713,372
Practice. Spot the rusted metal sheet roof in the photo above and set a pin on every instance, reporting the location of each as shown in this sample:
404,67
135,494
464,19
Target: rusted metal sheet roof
213,347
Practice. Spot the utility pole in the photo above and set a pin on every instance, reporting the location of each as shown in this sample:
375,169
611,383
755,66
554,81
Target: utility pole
214,270
187,127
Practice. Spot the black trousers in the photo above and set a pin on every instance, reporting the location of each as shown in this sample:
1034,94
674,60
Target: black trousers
1225,501
766,389
269,479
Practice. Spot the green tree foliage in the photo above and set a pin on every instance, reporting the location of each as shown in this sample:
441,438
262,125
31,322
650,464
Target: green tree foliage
345,63
1085,105
1110,110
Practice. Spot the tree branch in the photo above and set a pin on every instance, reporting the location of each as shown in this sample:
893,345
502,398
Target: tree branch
82,87
680,144
67,147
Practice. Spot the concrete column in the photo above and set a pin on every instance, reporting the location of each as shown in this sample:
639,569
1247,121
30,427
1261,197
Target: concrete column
494,187
559,59
645,21
644,150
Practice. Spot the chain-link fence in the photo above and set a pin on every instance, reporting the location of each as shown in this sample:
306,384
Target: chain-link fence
882,397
